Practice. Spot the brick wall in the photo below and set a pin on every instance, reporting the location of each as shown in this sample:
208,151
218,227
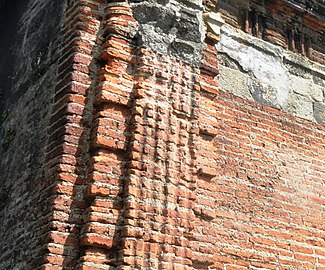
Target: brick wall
149,165
259,189
261,186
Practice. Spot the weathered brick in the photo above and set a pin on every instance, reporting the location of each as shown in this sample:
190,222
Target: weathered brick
148,163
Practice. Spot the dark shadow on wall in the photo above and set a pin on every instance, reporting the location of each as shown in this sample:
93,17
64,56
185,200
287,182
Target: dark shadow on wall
27,45
29,31
10,14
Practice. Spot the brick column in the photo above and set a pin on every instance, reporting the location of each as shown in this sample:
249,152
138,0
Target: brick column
123,167
159,195
69,135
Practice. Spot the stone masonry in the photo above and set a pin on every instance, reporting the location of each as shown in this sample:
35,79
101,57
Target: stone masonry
162,134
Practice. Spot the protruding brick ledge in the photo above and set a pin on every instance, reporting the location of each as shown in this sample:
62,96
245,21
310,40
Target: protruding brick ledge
292,25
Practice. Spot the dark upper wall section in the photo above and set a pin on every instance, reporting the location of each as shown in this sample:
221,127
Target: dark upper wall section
10,13
316,7
298,26
27,43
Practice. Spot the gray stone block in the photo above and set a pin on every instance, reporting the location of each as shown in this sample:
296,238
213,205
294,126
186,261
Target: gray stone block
319,112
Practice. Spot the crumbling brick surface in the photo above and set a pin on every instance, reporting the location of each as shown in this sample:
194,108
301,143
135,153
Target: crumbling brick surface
150,165
286,41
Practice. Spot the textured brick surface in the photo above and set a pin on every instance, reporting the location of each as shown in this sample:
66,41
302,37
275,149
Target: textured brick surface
149,165
261,187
